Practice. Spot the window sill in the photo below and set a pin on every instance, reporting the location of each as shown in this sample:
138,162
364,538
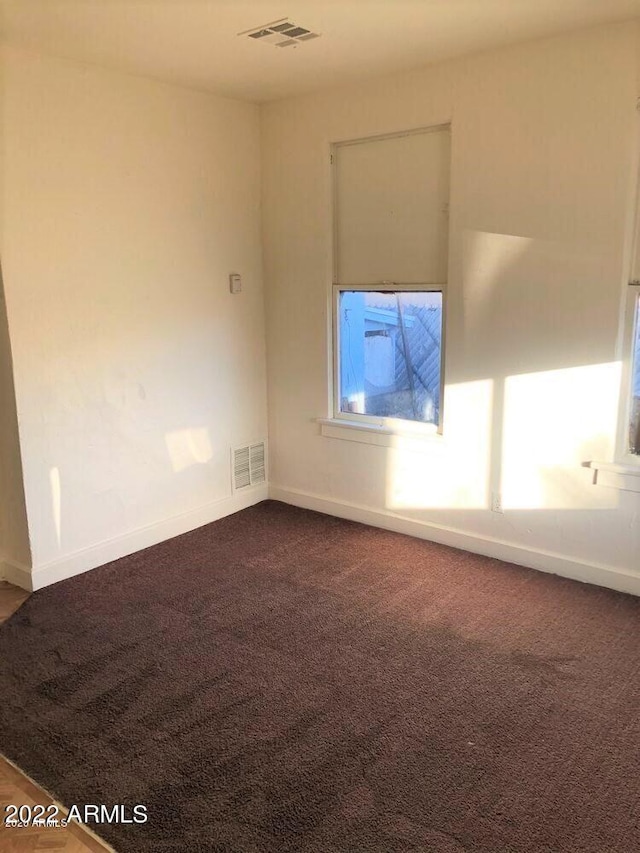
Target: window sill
382,436
616,475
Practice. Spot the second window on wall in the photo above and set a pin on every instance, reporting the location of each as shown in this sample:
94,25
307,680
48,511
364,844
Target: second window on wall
390,273
633,439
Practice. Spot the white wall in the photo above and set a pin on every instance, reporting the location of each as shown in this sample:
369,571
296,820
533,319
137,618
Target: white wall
126,204
544,145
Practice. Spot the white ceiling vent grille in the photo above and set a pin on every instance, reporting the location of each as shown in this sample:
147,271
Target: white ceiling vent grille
282,33
249,465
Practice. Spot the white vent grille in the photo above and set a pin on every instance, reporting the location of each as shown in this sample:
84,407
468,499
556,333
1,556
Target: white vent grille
282,33
249,465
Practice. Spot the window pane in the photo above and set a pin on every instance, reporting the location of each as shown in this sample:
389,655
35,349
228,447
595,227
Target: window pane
389,354
634,431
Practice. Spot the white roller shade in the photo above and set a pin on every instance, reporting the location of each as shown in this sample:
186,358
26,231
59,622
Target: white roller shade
392,197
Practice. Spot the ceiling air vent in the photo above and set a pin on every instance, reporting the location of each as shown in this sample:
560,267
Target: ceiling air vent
282,33
249,465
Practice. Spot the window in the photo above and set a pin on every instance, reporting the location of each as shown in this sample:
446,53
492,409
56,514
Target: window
629,445
391,198
389,346
624,471
634,411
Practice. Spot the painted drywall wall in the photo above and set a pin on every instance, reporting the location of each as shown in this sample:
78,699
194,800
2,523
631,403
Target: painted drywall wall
543,153
126,204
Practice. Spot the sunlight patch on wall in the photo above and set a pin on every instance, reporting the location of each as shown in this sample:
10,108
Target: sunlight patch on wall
554,421
450,471
188,447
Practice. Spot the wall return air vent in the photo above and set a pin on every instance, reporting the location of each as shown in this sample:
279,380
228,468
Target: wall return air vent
282,33
249,465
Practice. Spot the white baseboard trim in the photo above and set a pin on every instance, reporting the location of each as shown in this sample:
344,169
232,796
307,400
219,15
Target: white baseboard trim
16,574
144,537
543,561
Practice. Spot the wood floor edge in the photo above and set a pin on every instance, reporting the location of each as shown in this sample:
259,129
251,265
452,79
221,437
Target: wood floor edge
11,599
16,574
36,792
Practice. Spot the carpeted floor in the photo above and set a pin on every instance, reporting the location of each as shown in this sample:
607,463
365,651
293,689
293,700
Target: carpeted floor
285,681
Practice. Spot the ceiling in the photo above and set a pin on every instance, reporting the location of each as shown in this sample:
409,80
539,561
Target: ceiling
195,42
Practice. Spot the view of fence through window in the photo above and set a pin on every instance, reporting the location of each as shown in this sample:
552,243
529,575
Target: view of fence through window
634,428
389,353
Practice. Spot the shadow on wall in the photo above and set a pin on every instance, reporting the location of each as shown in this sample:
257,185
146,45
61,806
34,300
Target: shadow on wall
14,531
547,395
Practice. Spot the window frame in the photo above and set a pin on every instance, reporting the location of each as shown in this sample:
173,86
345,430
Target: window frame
624,472
627,463
389,424
361,427
631,321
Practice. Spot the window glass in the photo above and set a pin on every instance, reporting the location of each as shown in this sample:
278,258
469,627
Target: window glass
390,353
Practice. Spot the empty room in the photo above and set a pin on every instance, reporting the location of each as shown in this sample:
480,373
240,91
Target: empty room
320,426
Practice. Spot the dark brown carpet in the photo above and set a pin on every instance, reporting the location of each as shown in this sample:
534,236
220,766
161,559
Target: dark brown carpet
285,681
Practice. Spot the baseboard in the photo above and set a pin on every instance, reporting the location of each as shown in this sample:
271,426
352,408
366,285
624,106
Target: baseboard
16,574
144,537
543,561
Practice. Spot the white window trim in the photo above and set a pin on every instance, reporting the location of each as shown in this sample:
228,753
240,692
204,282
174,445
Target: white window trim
616,476
379,435
631,319
624,472
369,429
